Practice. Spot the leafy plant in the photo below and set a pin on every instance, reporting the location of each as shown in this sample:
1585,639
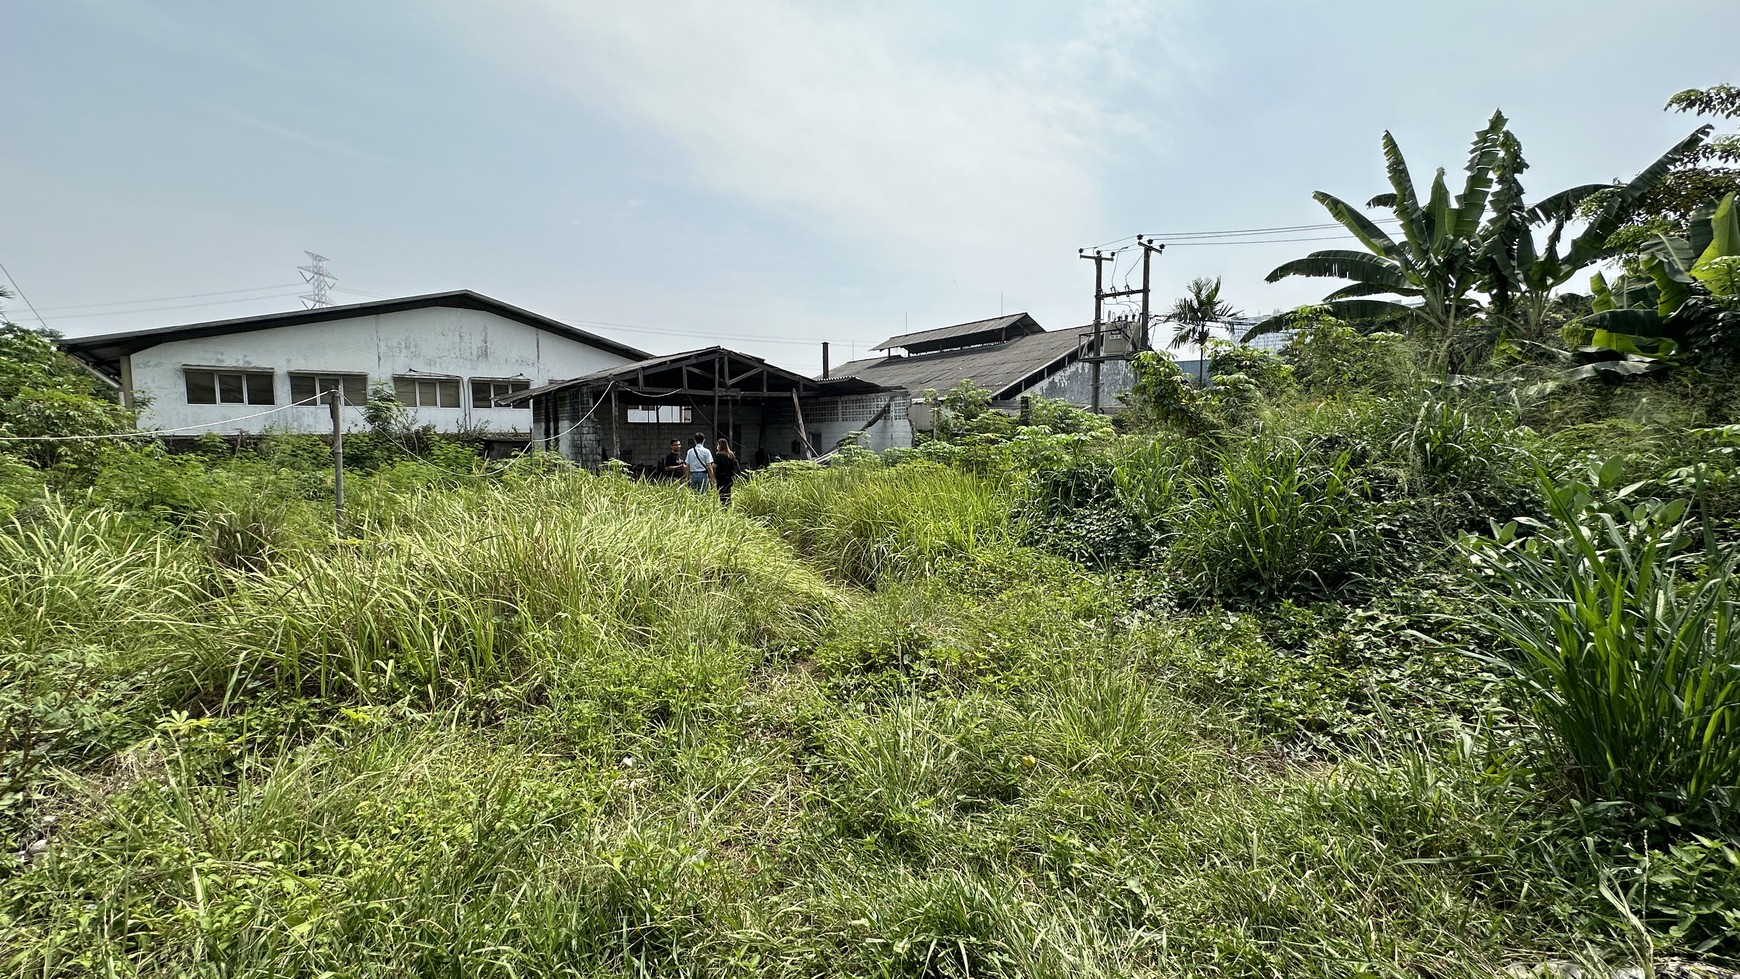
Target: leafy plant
1625,646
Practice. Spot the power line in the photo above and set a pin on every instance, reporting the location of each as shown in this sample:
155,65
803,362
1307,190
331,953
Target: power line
165,309
165,299
1259,241
22,296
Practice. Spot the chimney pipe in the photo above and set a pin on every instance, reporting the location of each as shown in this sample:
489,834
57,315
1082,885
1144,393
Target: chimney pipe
824,360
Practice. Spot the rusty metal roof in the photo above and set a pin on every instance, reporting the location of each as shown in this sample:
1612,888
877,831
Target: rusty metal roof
999,367
964,334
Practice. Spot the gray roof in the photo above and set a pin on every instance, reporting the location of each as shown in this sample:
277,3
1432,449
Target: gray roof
780,382
963,334
106,350
1000,367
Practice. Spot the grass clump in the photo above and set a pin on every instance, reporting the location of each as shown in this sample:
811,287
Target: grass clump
1624,639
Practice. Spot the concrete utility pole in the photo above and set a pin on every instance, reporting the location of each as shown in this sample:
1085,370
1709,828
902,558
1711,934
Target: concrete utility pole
1138,342
1149,250
1099,259
336,400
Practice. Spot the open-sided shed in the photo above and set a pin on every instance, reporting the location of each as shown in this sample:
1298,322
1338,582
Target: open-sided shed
632,411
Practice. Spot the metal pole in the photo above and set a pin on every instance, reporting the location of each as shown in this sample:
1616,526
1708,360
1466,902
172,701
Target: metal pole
335,402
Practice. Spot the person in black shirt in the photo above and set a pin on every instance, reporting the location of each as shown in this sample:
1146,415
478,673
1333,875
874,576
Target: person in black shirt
762,457
725,470
673,467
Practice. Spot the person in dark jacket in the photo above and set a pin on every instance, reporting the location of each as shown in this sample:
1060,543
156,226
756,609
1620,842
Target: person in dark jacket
725,469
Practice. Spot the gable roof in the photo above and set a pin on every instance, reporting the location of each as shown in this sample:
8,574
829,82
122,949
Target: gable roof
668,375
964,334
1004,368
106,350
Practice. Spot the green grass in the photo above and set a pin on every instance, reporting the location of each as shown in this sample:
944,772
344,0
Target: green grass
553,724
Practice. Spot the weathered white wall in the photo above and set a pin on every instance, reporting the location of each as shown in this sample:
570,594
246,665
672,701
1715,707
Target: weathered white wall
831,419
1075,384
463,342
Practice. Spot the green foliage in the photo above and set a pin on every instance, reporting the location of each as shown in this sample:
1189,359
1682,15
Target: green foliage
1330,358
43,395
523,720
1622,641
1270,523
864,522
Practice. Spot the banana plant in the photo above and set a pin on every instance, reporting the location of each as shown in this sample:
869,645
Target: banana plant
1683,300
1520,277
1431,270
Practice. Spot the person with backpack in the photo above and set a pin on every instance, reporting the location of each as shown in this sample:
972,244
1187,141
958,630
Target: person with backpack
700,462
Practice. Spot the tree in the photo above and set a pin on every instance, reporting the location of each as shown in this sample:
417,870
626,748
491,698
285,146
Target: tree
1700,180
44,393
1432,270
1199,315
1519,276
1451,254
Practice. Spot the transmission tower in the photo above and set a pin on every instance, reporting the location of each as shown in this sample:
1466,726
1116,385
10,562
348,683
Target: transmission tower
318,279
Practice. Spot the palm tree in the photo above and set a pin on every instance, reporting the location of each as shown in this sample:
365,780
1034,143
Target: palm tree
1198,315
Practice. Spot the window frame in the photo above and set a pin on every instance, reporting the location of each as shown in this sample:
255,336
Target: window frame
354,385
683,415
416,382
514,385
250,378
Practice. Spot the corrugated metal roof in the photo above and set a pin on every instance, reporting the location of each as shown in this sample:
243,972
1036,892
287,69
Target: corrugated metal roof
962,333
110,347
999,367
623,372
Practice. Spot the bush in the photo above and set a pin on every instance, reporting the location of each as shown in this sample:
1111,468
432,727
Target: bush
1624,642
1270,524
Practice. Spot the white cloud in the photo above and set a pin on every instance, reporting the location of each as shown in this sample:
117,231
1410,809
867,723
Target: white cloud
989,156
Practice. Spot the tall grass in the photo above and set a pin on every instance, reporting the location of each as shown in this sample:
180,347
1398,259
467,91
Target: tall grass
1272,522
863,521
1628,652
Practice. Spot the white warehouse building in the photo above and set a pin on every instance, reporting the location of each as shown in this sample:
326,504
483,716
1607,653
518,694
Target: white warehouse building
449,357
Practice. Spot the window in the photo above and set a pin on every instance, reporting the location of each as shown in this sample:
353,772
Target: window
208,387
427,392
659,414
303,387
485,391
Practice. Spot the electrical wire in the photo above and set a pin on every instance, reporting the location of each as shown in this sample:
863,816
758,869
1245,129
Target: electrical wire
21,295
165,309
156,431
165,299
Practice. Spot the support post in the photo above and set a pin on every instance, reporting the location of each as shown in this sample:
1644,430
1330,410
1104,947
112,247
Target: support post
336,400
615,425
803,435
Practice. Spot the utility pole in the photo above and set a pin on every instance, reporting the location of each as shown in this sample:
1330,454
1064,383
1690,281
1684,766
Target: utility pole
336,399
1149,250
1137,338
318,279
1099,259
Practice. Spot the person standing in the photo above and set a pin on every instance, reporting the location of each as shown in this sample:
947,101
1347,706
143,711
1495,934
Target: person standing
672,467
725,470
700,462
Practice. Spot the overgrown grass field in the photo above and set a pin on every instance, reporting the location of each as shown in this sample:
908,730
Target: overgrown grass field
897,718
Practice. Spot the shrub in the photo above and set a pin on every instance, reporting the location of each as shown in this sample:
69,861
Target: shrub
1271,523
1625,648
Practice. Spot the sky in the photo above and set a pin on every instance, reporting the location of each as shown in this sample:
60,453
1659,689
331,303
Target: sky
763,174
